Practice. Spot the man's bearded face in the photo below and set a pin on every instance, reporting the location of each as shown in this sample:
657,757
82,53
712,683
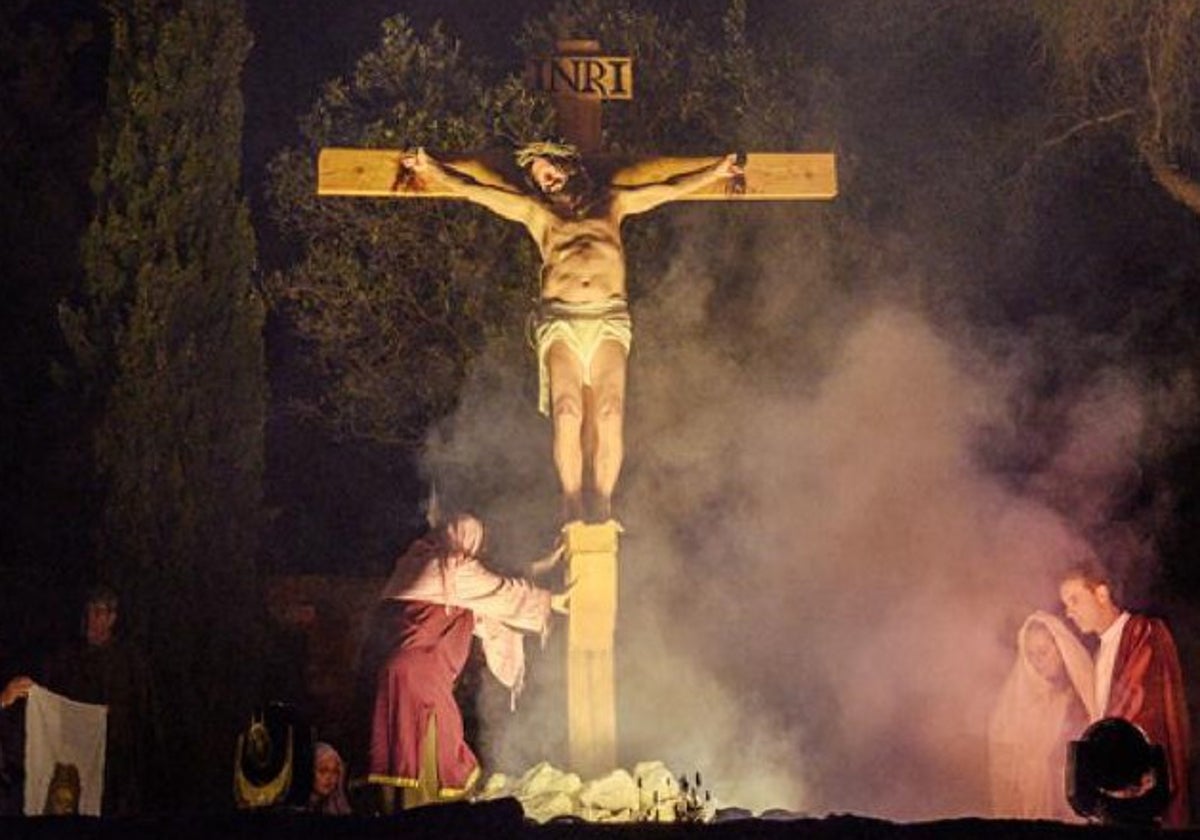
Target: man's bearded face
549,176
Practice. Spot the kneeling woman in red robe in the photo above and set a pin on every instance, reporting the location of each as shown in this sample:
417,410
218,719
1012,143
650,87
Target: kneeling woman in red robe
438,596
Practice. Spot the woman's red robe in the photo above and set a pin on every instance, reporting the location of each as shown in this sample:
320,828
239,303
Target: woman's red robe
435,603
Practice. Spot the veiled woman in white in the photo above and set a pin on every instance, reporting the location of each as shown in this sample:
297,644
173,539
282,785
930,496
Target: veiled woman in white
1046,702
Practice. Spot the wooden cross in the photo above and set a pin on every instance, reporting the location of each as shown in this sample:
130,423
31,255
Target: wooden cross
577,95
578,78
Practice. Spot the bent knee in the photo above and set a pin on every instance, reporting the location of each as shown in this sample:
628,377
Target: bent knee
567,407
609,406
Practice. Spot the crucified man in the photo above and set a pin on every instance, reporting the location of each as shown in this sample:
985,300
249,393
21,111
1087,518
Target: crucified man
583,326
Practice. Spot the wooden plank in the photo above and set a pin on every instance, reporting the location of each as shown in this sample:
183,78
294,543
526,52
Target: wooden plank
770,176
591,628
372,172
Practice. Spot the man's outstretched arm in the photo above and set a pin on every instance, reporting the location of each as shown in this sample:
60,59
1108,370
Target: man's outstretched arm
508,203
15,689
639,199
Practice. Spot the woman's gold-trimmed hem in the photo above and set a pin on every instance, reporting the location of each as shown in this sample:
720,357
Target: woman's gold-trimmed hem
443,792
390,781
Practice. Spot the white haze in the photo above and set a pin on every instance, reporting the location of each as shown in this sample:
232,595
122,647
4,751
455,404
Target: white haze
821,578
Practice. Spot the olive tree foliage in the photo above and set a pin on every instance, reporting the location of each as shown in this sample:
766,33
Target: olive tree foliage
701,87
392,299
1130,66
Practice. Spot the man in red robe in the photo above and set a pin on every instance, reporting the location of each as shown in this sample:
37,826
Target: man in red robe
438,597
1138,677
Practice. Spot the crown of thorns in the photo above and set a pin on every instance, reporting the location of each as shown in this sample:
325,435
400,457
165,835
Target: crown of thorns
526,154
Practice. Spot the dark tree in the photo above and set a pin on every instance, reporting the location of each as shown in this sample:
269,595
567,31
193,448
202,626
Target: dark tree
168,337
393,302
1131,70
51,95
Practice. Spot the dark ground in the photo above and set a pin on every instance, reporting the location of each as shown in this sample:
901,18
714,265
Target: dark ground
503,819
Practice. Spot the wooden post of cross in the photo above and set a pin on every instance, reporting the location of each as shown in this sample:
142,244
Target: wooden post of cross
578,78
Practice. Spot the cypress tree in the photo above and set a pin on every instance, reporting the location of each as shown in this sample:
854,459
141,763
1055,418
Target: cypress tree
169,334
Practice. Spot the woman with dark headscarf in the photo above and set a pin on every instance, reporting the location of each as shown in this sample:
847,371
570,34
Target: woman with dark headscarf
438,597
1046,702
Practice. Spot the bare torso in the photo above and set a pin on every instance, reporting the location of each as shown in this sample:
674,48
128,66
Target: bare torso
582,259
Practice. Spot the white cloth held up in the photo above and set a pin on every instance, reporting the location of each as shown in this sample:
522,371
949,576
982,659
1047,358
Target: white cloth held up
62,731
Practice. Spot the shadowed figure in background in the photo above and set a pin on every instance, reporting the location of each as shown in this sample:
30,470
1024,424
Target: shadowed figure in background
439,595
583,326
1047,701
107,670
1137,673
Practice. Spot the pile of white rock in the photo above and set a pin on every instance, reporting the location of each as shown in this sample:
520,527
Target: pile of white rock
651,793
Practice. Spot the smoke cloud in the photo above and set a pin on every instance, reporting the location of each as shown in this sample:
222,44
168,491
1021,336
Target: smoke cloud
837,513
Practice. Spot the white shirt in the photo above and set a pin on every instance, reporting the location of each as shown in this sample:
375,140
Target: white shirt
1106,659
